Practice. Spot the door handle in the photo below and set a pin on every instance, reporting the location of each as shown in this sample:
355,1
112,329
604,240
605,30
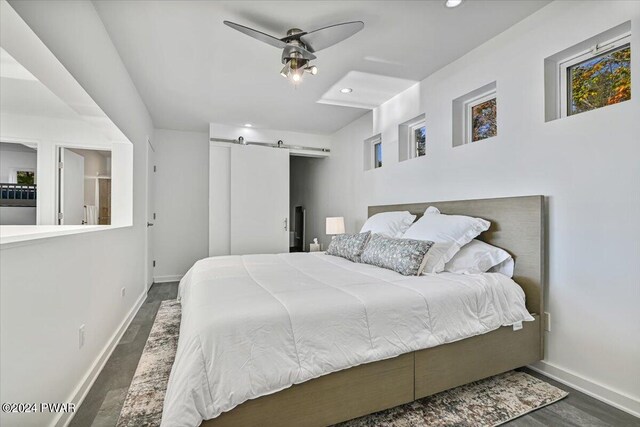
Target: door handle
149,224
286,220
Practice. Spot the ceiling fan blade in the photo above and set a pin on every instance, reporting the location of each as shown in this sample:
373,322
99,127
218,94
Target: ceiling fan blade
328,36
266,38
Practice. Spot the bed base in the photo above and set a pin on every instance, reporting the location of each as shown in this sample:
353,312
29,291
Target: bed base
376,386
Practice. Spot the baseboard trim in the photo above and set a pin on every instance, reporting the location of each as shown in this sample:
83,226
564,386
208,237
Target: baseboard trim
589,387
85,385
170,278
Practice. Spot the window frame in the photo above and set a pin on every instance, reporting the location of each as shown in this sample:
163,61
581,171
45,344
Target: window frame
468,114
598,49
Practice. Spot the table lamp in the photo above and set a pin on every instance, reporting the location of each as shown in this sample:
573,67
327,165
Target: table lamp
335,225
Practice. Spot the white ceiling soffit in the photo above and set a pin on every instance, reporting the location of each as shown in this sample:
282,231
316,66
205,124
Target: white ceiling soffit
191,70
22,93
35,83
12,69
367,90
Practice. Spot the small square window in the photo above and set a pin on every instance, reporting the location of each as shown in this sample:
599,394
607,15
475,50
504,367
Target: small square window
589,75
481,117
598,81
475,115
377,155
26,177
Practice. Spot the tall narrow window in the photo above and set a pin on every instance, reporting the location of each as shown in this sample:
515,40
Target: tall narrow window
600,80
377,155
419,139
412,138
372,152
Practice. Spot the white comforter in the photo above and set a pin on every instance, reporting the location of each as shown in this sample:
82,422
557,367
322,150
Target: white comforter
253,325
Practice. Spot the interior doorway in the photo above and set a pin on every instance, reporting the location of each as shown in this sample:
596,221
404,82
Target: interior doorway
303,170
84,186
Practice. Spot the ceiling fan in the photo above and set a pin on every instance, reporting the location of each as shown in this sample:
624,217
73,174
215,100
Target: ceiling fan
298,47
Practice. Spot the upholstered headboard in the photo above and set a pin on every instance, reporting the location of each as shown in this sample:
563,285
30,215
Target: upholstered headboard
517,225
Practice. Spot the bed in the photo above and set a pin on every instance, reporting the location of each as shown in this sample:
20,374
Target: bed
311,339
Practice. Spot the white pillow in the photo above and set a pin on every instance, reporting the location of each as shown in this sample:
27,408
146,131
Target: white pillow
478,257
506,267
389,224
448,232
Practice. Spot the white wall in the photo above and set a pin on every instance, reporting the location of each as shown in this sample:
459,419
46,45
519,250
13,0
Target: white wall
182,201
17,215
78,277
95,163
586,164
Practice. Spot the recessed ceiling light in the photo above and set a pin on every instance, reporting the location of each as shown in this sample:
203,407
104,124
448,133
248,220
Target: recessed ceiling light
452,3
248,125
346,90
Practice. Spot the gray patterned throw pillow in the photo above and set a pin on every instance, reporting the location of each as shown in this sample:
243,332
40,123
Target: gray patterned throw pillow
349,246
404,256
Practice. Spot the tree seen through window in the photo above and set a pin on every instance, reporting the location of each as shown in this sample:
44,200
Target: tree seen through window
600,81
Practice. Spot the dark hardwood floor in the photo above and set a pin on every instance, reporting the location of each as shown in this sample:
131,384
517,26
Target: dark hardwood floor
102,405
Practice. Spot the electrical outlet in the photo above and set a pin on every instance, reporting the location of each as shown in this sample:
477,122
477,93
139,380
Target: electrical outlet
81,336
547,321
123,291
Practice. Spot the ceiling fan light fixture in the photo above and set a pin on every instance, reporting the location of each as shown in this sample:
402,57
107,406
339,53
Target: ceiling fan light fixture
313,70
296,77
452,3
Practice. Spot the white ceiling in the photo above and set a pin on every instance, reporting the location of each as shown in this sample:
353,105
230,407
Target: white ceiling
190,69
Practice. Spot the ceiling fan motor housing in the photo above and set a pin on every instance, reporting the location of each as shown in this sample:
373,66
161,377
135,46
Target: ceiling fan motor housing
294,51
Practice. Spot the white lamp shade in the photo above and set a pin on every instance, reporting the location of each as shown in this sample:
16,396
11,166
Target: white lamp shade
335,225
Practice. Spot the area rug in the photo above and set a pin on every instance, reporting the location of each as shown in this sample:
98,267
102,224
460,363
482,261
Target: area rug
489,402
